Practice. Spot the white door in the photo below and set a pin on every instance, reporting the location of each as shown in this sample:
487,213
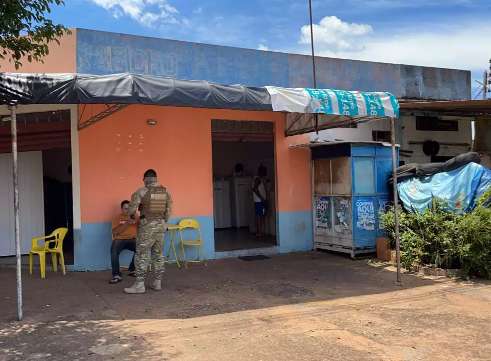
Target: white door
31,201
243,200
6,210
221,204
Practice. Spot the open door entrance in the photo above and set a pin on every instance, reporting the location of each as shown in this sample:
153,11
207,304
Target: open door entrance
58,200
45,180
240,149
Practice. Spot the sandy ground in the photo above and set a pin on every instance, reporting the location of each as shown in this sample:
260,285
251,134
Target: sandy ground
309,306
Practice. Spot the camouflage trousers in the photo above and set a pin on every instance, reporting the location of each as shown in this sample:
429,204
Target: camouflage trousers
149,250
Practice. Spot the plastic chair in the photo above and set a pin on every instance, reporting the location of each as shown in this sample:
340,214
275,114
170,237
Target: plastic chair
53,244
191,225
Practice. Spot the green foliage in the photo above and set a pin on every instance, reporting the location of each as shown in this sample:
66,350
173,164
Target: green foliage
484,200
444,239
25,31
475,230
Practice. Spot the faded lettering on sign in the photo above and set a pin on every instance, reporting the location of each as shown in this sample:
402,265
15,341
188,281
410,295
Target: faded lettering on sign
342,215
365,215
323,221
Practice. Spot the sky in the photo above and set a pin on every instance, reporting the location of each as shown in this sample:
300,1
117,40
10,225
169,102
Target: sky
449,34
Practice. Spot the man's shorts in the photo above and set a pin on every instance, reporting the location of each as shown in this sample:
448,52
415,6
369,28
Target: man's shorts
260,209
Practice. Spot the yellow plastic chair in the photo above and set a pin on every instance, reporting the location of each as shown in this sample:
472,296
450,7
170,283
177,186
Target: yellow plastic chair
52,244
192,226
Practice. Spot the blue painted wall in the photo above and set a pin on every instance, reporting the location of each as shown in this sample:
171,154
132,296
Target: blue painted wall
295,231
105,53
92,246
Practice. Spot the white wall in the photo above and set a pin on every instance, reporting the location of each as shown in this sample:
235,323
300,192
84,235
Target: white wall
406,133
30,198
362,133
410,134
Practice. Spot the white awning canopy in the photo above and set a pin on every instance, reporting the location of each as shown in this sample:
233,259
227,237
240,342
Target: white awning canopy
334,102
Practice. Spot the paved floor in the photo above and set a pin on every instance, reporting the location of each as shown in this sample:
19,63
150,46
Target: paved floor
311,306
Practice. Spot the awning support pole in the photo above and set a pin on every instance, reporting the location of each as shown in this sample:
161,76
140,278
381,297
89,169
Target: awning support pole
314,73
13,129
394,183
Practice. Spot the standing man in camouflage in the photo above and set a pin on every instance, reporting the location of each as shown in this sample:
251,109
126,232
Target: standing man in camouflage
154,204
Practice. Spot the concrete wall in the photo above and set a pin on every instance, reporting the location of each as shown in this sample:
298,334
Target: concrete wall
407,133
455,139
115,152
61,59
362,133
104,53
482,142
97,52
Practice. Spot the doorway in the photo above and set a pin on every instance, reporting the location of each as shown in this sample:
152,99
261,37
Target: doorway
58,200
45,180
241,149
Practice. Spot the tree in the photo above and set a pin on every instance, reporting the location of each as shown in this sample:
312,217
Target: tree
25,30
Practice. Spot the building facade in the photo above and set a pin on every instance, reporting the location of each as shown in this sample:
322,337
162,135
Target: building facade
108,158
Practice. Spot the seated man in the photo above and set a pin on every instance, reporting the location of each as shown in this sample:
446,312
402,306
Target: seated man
124,237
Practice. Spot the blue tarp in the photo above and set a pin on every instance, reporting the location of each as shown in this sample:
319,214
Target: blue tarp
459,188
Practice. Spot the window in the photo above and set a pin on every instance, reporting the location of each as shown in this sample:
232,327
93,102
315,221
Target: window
381,136
364,177
428,123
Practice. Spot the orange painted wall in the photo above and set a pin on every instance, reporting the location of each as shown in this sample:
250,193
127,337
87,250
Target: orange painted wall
61,59
293,171
115,152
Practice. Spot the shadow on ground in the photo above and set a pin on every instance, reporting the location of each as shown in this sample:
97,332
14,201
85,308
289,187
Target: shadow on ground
81,317
72,340
220,287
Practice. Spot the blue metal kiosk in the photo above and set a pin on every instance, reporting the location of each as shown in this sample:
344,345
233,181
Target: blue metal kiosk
350,188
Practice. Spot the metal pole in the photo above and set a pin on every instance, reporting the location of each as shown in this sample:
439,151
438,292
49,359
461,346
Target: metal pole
489,78
314,73
485,84
13,129
312,43
394,180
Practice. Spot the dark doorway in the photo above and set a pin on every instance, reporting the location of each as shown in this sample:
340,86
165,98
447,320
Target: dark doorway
58,200
240,148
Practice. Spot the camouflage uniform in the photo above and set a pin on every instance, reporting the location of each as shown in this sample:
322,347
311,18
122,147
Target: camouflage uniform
154,203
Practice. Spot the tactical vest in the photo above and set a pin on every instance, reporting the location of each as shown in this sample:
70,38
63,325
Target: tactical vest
154,203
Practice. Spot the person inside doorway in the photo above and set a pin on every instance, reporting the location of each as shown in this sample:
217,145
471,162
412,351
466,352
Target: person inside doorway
260,200
239,170
124,237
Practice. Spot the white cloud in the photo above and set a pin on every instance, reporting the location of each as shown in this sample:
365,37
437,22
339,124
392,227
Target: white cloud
262,47
146,12
401,4
336,35
461,46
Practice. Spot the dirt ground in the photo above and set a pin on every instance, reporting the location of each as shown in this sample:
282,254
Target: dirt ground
309,306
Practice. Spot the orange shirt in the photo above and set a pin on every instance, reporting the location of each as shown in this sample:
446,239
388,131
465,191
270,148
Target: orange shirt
129,232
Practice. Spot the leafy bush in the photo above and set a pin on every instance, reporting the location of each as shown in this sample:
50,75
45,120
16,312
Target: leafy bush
444,239
475,231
